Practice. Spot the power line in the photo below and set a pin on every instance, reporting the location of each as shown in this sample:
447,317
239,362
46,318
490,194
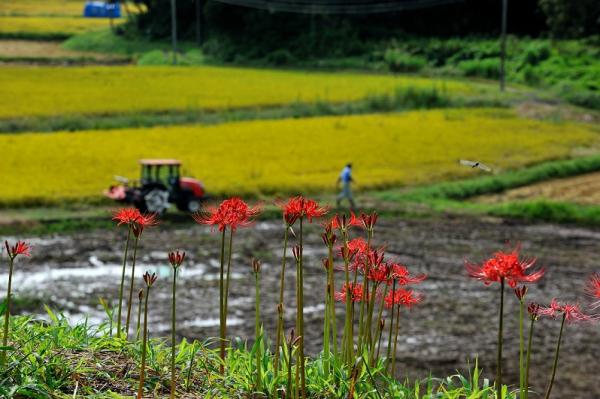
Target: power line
337,6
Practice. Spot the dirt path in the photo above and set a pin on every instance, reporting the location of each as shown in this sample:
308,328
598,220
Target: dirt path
40,51
455,324
582,189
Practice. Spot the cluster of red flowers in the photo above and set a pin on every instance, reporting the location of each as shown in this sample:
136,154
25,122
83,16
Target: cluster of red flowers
505,266
593,290
20,248
232,213
135,219
402,297
355,290
571,312
299,207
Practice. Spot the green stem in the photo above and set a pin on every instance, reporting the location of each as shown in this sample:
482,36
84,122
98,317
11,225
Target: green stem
135,248
396,340
562,325
500,327
348,338
144,342
279,336
123,282
139,316
227,278
521,351
379,318
301,315
257,334
389,347
221,305
365,295
189,370
528,359
334,331
173,319
7,311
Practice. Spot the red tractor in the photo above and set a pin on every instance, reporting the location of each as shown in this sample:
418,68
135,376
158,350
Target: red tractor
159,186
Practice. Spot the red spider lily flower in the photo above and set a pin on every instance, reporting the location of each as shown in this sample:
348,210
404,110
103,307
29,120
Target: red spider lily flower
380,273
355,246
375,257
176,258
342,222
369,221
534,310
355,290
311,209
572,312
20,248
143,221
592,288
520,292
505,266
126,216
149,279
402,297
292,210
232,213
328,237
402,276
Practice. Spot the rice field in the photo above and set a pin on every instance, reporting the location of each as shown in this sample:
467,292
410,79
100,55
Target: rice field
56,91
287,156
48,27
41,7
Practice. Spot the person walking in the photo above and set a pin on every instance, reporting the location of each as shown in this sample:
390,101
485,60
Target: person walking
346,179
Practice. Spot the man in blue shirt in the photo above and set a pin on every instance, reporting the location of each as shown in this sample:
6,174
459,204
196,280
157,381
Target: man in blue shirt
346,179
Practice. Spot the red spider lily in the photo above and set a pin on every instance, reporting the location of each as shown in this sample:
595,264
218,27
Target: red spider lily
355,246
176,258
369,220
520,292
534,310
328,237
572,312
355,290
150,279
126,216
380,273
292,210
375,258
311,209
20,248
402,297
592,288
505,266
342,222
402,276
232,213
143,221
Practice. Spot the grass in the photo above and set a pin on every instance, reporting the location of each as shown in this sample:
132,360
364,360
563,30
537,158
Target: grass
48,52
57,360
260,157
127,89
53,28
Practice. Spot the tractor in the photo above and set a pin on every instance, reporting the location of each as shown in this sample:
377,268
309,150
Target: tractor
160,185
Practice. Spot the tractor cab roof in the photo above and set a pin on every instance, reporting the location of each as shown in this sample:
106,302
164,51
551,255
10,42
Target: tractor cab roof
160,162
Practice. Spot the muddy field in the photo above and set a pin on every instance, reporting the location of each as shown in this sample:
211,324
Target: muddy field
456,323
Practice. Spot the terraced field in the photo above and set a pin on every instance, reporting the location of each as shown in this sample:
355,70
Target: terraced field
286,156
129,89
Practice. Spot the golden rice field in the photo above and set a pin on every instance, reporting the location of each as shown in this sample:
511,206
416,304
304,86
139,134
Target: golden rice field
129,89
287,156
48,26
41,7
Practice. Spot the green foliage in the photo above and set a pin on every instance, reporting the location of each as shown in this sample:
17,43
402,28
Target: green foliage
398,61
159,57
568,18
485,68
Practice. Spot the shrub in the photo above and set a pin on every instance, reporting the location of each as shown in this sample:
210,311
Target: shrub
485,68
280,57
399,61
536,52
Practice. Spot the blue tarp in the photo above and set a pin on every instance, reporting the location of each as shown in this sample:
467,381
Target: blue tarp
101,9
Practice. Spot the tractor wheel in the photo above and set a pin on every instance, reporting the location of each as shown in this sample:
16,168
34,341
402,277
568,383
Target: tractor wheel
191,205
156,200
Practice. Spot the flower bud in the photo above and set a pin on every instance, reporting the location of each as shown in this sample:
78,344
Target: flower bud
256,266
296,252
141,294
149,279
176,258
520,292
534,310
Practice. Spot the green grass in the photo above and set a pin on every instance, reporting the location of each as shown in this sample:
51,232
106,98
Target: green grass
44,358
